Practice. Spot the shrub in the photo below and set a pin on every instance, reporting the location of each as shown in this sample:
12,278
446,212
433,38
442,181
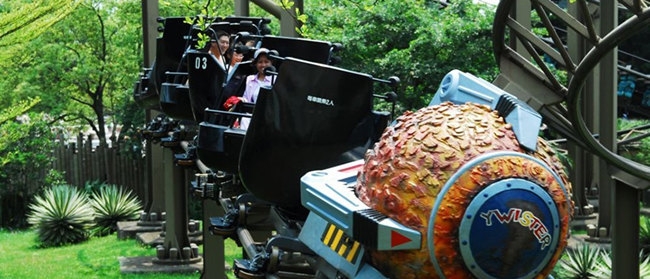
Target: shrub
644,232
580,263
25,152
93,186
604,266
113,204
61,216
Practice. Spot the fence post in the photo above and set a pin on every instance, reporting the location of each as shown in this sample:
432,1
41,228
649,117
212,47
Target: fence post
80,164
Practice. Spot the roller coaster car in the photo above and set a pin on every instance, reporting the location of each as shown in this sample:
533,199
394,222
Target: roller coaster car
179,37
305,49
175,97
210,85
241,24
144,93
219,143
314,116
376,220
176,38
208,81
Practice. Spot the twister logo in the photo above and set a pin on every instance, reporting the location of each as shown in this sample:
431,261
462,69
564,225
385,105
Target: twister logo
524,218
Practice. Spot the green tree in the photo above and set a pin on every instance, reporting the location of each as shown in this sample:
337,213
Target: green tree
419,41
22,21
83,67
79,62
193,8
25,154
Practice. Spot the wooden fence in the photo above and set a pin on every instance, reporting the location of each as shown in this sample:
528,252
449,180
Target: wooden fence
82,162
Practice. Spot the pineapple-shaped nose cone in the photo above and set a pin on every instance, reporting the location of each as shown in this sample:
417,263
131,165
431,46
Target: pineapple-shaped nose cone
483,204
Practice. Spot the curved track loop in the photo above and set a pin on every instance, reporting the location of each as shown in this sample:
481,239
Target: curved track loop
568,120
628,28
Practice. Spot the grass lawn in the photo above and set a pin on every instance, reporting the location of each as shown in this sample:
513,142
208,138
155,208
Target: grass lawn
96,258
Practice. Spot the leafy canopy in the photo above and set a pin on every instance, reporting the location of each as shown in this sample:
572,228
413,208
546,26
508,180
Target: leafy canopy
416,40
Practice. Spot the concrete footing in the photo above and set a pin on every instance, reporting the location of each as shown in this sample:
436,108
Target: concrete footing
130,229
147,265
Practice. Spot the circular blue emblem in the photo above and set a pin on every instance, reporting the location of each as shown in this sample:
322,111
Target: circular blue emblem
510,230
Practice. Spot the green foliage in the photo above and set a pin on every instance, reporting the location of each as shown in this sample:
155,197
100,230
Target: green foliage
644,231
21,21
131,117
61,216
25,142
54,177
639,150
83,66
94,259
25,152
580,263
604,267
586,262
15,110
628,124
13,132
93,186
415,40
190,7
113,204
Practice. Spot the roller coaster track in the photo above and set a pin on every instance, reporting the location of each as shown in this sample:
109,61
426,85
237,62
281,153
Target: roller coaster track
560,102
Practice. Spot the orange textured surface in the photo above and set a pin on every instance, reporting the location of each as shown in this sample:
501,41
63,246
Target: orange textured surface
404,173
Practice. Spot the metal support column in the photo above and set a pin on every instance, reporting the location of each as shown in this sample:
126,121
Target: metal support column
584,175
286,15
149,30
625,231
213,246
522,14
624,199
155,213
289,20
242,8
177,246
153,192
176,203
607,112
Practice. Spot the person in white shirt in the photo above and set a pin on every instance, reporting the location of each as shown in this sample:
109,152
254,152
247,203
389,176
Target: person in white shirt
261,60
219,46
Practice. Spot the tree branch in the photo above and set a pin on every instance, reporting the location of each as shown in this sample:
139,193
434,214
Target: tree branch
81,101
90,123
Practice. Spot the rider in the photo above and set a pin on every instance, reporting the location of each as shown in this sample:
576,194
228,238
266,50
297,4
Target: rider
261,61
219,46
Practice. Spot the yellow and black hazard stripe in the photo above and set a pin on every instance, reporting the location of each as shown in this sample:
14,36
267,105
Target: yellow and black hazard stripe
343,245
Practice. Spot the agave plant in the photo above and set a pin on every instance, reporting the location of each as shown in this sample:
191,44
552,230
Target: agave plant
61,216
113,204
604,267
644,232
581,262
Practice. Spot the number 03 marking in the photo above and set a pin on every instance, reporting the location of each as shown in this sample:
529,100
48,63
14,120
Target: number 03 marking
201,63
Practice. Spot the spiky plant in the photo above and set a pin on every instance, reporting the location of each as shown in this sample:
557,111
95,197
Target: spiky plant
604,266
644,232
61,216
580,263
113,204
